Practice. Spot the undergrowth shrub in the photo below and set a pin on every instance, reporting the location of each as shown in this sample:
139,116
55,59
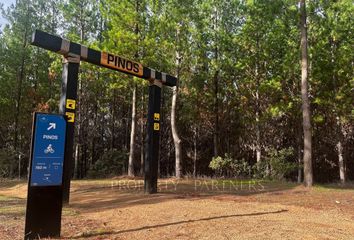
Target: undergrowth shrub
111,163
229,167
276,165
8,163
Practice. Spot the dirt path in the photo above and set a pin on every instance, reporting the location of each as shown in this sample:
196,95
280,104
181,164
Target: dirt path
188,210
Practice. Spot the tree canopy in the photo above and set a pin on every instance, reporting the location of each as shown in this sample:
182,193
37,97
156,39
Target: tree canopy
239,93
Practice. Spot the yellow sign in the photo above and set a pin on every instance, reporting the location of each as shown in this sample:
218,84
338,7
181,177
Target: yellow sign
71,116
70,104
157,116
156,126
122,64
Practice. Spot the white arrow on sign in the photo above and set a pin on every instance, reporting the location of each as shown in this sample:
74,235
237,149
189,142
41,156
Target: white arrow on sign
51,126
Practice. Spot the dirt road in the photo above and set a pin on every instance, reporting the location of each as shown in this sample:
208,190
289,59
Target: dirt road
189,209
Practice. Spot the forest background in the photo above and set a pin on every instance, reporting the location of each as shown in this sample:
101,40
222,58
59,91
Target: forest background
237,109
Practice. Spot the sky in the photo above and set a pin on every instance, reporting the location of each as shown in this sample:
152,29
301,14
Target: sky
6,3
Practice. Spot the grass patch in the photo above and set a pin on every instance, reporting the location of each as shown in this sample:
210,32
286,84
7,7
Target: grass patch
92,181
18,210
6,198
11,206
92,233
334,187
69,212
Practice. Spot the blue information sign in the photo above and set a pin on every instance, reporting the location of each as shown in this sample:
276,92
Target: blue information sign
48,150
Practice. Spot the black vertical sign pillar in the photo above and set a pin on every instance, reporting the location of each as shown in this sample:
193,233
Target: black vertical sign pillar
153,137
44,194
67,107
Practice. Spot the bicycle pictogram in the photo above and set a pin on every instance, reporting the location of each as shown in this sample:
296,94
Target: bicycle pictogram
49,149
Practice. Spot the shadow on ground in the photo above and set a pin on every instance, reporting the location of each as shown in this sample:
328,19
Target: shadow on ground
99,197
101,233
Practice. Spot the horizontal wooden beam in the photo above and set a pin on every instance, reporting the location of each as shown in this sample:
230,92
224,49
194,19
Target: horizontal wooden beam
67,48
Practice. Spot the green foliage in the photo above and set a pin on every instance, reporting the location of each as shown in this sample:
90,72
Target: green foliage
111,163
8,163
230,167
221,164
276,165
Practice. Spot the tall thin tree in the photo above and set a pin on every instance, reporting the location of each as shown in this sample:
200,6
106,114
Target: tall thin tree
176,138
133,122
306,112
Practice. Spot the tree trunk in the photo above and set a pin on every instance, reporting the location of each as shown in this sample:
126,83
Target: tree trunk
341,140
339,148
142,136
216,116
195,152
168,161
299,168
176,139
306,114
132,135
299,153
216,87
76,166
142,153
258,131
133,122
258,128
113,129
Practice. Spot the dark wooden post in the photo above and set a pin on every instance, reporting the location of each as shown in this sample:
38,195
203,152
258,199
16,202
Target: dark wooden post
67,107
153,137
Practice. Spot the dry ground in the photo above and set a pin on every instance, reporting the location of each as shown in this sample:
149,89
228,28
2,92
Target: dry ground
192,209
